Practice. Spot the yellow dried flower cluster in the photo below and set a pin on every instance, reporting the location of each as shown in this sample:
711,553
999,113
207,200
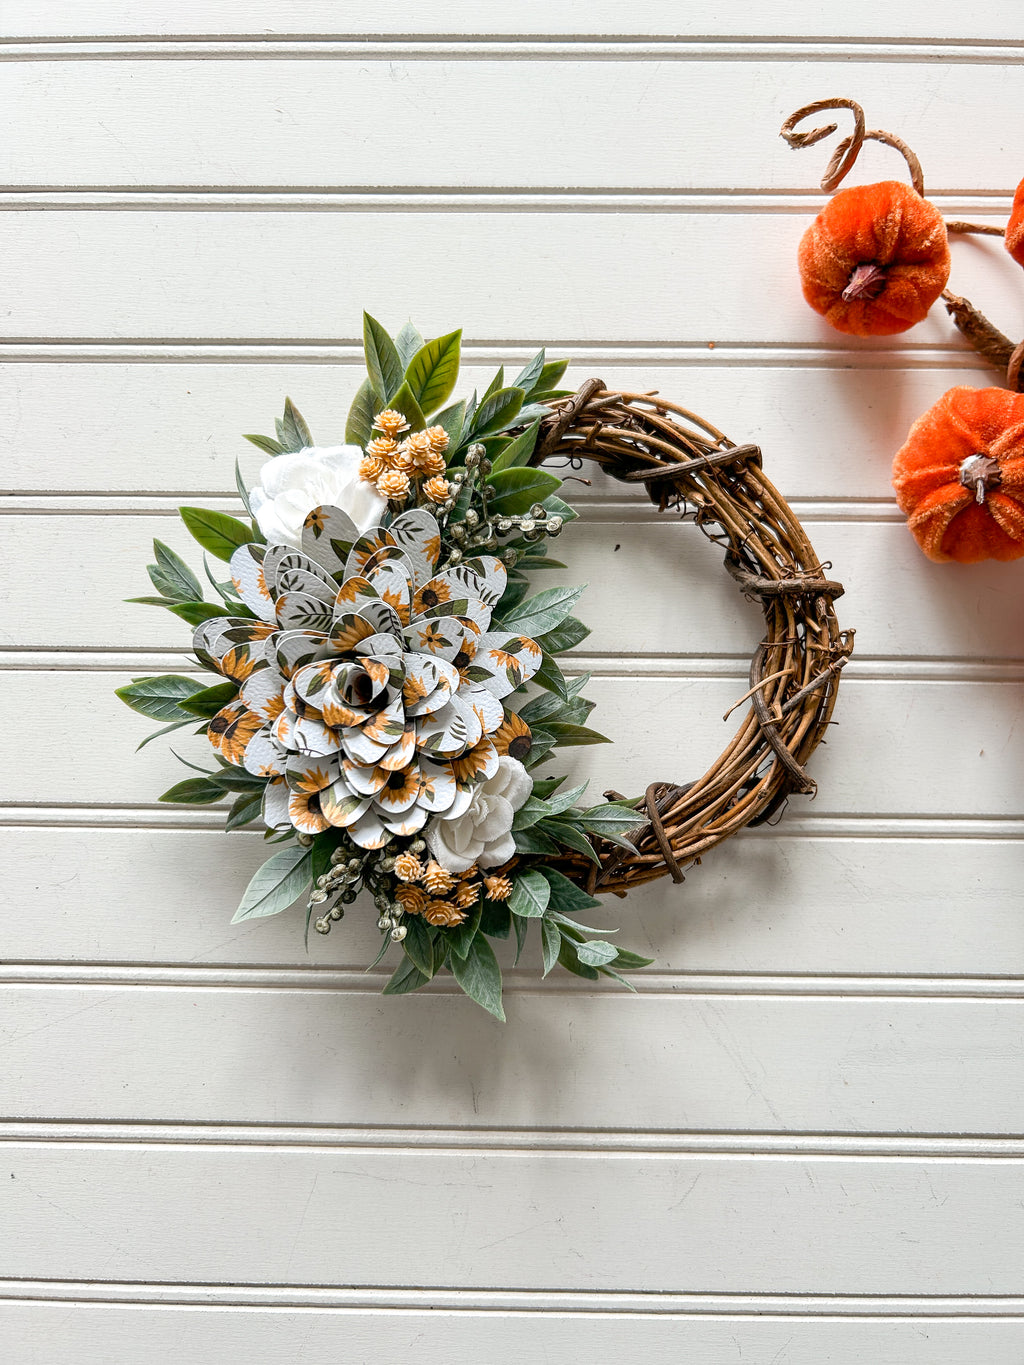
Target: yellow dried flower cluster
394,466
443,899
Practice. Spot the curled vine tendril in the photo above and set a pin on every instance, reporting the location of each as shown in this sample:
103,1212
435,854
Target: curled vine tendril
844,156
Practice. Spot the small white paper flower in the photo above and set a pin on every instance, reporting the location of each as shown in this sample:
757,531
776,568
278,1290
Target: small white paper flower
482,833
292,485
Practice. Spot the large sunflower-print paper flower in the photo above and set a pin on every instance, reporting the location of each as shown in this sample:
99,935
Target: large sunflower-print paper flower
292,485
371,683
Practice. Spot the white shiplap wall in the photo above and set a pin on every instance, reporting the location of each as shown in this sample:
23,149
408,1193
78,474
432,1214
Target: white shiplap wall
801,1142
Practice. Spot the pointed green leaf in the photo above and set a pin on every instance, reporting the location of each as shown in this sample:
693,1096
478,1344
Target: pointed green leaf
530,895
542,612
551,943
405,978
359,427
567,958
452,420
532,810
568,735
176,572
532,841
408,342
265,443
383,363
530,373
460,939
495,919
195,612
498,412
419,945
567,635
518,489
569,834
549,376
551,677
433,370
611,820
210,700
292,431
519,450
480,976
244,809
596,952
158,697
496,383
277,884
404,401
216,531
165,730
194,791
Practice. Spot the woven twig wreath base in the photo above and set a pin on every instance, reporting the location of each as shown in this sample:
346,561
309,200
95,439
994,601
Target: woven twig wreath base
688,465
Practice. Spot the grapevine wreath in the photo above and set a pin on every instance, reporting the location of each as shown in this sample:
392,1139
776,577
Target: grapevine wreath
389,700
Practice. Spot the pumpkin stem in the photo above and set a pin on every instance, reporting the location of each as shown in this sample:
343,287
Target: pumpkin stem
846,153
987,340
981,473
866,282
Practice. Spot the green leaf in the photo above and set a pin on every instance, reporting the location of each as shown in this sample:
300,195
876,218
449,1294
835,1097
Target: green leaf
567,735
496,383
547,786
532,810
549,376
419,945
495,919
277,884
533,841
243,492
572,837
165,730
383,363
359,426
452,420
210,700
630,961
551,943
551,677
433,370
564,800
519,450
244,810
408,342
194,791
497,412
568,635
596,952
480,976
176,572
530,895
518,489
265,443
195,612
292,431
216,531
530,373
404,401
567,958
460,939
158,697
611,821
542,612
405,978
556,507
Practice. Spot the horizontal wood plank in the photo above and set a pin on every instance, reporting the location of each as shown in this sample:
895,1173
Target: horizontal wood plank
700,278
769,902
477,1219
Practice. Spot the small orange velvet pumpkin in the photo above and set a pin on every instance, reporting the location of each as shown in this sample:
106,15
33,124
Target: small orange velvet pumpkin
1014,238
959,478
875,259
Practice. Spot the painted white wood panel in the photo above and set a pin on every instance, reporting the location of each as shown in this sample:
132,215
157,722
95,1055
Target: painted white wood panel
915,18
901,605
695,277
164,427
882,755
271,122
670,1060
580,1220
82,1333
771,902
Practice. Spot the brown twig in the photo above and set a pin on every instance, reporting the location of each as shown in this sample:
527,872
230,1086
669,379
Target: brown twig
844,156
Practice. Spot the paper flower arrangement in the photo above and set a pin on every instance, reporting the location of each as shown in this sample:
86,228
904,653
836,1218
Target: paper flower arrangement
373,647
873,262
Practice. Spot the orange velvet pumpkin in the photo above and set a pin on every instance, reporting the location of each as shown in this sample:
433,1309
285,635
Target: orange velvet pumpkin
960,476
1015,227
875,259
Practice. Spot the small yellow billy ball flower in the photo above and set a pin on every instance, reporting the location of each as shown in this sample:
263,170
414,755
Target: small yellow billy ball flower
438,438
412,900
444,915
437,489
371,467
498,888
393,485
467,894
384,448
390,422
418,449
408,867
438,879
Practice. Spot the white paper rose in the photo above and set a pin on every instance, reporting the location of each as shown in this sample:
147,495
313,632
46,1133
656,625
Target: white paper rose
482,834
292,485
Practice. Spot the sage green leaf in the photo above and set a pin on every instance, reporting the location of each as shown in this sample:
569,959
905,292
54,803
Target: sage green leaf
404,401
630,961
532,841
158,697
551,677
195,612
292,431
265,443
460,939
532,810
496,383
611,821
518,450
571,836
557,507
545,787
433,370
210,700
518,489
277,884
165,730
564,800
567,958
567,735
243,492
194,791
530,895
568,635
480,976
408,342
522,927
419,945
551,943
495,919
549,376
452,420
542,612
177,574
405,978
216,531
497,412
245,808
596,952
383,363
530,373
359,426
529,412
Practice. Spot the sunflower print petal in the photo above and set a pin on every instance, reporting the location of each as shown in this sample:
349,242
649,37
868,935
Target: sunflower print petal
264,757
305,813
327,537
300,611
307,774
504,662
363,550
249,581
513,737
296,648
416,532
342,806
479,764
348,631
368,831
399,793
365,781
450,731
263,692
493,578
231,729
437,787
281,561
275,804
401,753
404,825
